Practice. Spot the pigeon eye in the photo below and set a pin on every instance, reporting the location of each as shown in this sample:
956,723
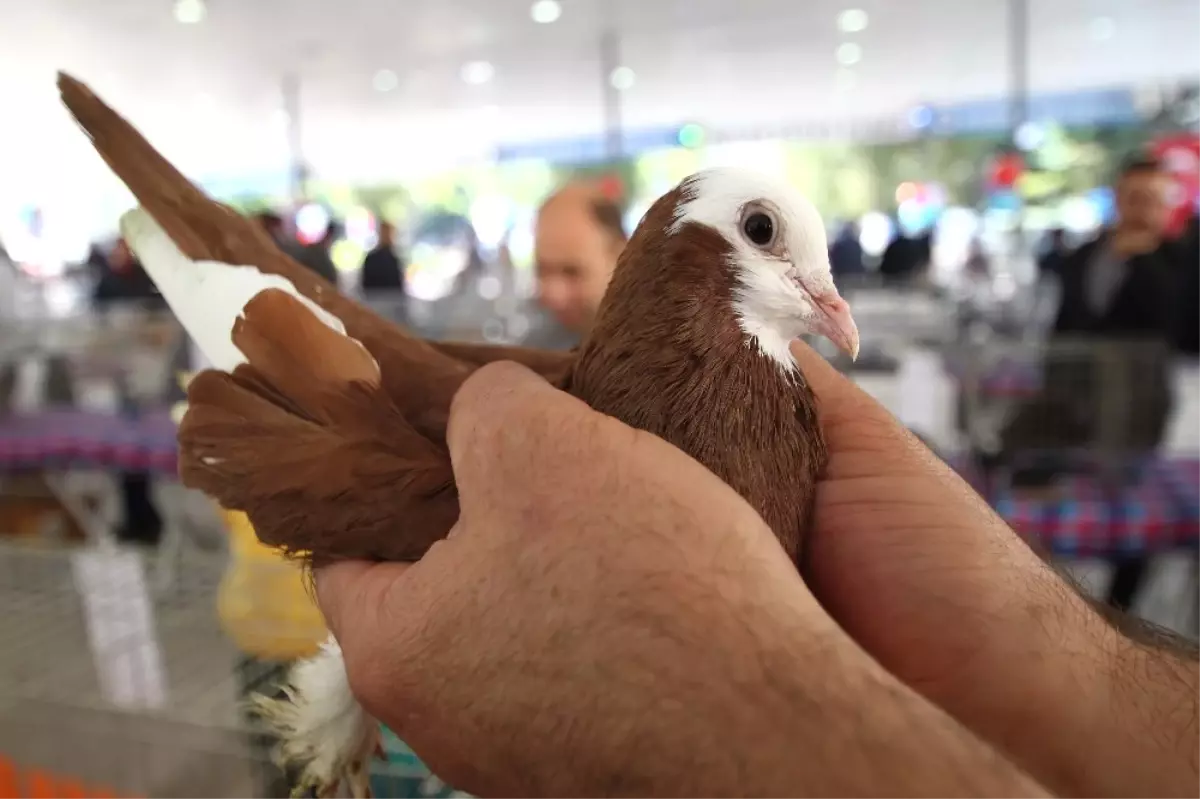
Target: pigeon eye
759,226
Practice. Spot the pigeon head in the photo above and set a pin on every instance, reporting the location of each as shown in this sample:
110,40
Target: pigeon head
776,254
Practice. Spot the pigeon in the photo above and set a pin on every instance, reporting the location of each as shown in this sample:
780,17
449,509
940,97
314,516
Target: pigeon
326,424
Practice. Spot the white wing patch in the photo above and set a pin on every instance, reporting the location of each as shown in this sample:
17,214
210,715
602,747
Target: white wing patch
206,296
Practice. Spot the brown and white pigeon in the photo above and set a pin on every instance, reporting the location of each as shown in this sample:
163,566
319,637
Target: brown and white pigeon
326,425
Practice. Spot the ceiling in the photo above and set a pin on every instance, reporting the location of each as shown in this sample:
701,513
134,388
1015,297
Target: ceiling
209,94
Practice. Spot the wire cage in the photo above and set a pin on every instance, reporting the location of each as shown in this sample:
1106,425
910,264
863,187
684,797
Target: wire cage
109,687
1068,441
1105,402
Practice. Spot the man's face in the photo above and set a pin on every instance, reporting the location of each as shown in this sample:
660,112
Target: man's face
387,235
575,260
1142,202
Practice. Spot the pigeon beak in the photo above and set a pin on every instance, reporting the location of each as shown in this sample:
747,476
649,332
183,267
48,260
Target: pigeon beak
836,323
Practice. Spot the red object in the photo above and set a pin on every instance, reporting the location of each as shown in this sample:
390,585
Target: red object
612,187
40,785
1006,171
1179,153
8,779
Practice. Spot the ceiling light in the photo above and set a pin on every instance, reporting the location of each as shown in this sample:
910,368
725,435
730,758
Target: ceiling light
1102,29
478,72
544,12
385,80
849,54
622,79
190,12
852,20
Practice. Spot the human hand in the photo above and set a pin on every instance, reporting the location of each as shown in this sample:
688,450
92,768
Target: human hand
608,617
915,566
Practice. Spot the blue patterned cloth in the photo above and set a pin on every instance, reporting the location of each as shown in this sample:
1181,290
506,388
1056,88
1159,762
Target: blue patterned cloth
402,775
1158,512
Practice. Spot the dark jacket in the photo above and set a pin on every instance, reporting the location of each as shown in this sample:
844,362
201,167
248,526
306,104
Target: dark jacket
1142,306
1116,396
315,257
382,270
130,286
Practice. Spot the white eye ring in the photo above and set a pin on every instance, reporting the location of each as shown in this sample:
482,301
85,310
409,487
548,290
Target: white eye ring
759,225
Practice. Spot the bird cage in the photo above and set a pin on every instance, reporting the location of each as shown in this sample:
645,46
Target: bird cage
109,687
1065,442
1089,404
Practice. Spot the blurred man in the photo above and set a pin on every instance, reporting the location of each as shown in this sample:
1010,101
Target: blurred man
1119,284
318,257
1054,253
846,254
123,282
382,269
272,223
578,238
1118,288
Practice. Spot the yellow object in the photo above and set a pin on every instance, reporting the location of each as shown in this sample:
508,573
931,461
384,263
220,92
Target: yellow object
264,602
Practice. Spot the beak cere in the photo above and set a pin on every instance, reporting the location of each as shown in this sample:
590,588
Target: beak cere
836,323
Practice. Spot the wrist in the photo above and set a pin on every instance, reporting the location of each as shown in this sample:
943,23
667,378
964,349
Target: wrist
863,732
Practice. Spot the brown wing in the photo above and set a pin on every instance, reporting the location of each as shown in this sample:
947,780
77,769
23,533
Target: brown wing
305,441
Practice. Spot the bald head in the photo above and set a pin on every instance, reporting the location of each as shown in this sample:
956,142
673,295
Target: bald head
578,239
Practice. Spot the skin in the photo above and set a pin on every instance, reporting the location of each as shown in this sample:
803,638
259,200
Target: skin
387,234
608,618
1141,212
575,257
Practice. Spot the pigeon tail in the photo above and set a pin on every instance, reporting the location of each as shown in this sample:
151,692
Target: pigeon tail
324,733
295,412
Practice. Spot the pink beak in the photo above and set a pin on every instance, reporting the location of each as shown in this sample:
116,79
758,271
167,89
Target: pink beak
836,323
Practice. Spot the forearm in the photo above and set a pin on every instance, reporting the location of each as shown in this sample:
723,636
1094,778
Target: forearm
813,717
1077,703
864,733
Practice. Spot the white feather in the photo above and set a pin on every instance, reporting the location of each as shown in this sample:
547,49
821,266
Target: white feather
206,296
322,728
770,308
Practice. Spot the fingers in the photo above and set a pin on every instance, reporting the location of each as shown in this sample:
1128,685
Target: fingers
924,575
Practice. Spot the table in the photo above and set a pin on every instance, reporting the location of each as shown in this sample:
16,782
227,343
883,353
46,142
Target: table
59,439
1159,513
77,451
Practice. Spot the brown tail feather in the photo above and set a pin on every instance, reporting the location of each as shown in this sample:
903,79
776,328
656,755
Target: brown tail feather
368,486
304,440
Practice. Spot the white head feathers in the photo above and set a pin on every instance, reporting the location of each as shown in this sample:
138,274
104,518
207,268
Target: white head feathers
779,256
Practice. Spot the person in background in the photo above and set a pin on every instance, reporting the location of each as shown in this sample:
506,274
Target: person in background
1056,250
905,257
318,257
578,237
382,269
272,223
381,279
1187,319
123,282
1119,288
846,254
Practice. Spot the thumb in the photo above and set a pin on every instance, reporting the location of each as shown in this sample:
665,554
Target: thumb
351,595
907,557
